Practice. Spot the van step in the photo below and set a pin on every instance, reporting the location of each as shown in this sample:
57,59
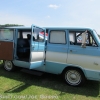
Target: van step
33,72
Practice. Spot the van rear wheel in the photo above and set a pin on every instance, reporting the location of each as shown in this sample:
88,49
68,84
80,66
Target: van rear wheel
74,77
9,66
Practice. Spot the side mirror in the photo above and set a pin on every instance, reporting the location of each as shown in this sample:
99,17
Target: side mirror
84,38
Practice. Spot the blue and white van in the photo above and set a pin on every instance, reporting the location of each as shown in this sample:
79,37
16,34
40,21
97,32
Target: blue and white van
72,52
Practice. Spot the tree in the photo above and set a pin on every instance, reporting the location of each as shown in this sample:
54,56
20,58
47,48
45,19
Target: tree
10,25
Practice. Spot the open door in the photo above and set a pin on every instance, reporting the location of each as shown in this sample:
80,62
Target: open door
37,49
6,44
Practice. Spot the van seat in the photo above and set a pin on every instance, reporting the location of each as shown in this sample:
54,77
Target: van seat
22,46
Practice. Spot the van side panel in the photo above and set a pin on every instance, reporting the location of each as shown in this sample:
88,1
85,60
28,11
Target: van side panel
56,51
92,74
55,61
88,58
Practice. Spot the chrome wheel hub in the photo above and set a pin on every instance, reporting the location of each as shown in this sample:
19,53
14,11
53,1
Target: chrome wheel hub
73,77
8,65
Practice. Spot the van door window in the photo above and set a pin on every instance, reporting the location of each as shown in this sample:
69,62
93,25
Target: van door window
76,38
58,37
38,35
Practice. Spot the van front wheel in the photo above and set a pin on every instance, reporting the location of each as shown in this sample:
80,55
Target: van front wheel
9,66
74,77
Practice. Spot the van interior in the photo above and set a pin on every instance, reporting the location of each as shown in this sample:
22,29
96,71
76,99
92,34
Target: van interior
23,44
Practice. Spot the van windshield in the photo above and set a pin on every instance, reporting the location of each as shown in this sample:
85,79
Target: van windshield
96,35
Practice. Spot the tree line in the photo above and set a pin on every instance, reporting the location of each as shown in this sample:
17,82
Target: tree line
10,25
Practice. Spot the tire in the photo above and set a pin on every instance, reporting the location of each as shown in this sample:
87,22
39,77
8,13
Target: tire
73,77
2,62
9,66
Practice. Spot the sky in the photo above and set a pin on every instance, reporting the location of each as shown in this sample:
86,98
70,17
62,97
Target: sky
45,13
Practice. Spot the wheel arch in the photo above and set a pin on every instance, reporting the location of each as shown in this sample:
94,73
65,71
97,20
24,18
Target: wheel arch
74,67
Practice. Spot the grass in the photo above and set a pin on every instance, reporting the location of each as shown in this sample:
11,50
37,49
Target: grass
21,86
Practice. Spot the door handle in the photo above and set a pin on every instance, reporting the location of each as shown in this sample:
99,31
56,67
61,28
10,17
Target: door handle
73,51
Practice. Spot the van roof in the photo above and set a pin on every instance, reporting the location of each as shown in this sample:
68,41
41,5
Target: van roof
69,28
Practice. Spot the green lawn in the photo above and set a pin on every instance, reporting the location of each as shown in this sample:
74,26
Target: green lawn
21,86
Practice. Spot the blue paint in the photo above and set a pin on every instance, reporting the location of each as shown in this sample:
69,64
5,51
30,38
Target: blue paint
55,68
57,48
91,51
38,64
36,46
21,63
92,74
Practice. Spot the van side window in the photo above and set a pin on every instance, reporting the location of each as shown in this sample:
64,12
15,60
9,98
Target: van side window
57,37
25,34
6,34
76,38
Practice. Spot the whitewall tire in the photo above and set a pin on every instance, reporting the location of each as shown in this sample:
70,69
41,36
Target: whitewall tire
74,77
9,66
